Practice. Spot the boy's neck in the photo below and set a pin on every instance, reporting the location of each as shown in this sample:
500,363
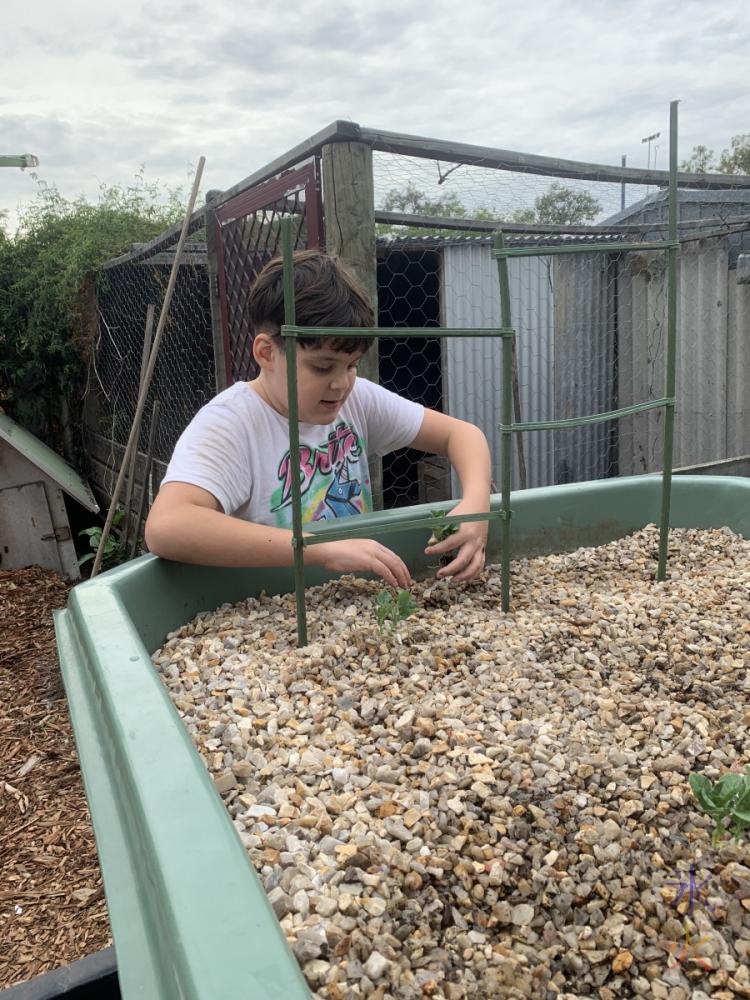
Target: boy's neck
258,387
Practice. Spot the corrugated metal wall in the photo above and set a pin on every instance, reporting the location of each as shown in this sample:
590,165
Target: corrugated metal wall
713,357
599,343
584,365
738,368
472,367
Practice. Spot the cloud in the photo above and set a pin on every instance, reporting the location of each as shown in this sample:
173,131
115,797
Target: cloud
97,89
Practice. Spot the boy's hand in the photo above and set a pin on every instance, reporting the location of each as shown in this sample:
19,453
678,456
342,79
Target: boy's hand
361,555
471,542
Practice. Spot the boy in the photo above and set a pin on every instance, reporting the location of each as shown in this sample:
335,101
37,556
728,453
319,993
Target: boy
226,497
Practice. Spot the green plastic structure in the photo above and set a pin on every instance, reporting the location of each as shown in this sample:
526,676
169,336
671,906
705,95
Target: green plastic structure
320,532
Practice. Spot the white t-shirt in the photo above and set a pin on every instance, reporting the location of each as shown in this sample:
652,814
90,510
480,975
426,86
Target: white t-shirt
237,448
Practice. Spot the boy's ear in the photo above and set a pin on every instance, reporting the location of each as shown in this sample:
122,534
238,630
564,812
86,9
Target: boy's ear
265,351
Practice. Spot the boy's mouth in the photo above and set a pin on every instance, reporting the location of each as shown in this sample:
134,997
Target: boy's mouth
330,404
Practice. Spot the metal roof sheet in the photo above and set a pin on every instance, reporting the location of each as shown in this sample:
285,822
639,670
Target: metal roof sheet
50,463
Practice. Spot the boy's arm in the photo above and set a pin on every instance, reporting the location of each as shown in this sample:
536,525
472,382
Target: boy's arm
187,525
466,447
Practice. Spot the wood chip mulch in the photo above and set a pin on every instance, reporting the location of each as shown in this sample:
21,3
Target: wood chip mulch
52,907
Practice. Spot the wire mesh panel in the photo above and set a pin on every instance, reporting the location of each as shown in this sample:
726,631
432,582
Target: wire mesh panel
591,327
409,295
184,376
248,236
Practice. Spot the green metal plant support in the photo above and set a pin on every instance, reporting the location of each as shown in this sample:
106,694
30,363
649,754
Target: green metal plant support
325,531
671,247
318,532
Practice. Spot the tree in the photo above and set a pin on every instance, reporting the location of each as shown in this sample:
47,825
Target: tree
47,273
735,160
412,201
561,206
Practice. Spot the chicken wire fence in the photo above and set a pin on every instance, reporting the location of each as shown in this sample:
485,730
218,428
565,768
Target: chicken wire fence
591,327
184,375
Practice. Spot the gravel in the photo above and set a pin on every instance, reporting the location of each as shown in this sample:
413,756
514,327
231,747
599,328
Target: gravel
485,805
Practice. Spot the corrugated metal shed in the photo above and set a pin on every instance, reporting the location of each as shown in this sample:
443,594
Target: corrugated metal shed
472,370
584,353
713,356
592,337
703,410
692,206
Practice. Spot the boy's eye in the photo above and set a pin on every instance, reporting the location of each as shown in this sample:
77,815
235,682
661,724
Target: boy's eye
321,371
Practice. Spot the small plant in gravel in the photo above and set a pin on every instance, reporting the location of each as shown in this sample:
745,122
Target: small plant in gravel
726,798
391,611
442,529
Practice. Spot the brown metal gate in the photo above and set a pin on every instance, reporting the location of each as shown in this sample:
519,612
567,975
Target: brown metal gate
247,235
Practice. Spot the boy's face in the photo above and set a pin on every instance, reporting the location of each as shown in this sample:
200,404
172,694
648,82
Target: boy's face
324,379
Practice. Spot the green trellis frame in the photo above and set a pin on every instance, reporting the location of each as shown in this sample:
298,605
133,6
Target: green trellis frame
386,522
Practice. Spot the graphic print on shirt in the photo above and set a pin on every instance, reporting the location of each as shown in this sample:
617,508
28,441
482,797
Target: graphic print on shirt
329,489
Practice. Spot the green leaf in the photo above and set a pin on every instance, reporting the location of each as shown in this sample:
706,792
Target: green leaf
406,605
702,790
728,788
442,529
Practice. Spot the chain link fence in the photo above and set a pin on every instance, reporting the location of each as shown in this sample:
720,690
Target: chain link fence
591,327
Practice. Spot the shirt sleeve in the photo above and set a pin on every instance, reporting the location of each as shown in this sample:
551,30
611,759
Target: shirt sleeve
392,422
211,453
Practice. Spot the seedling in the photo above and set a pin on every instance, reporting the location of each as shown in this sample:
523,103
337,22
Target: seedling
727,798
442,529
114,550
390,612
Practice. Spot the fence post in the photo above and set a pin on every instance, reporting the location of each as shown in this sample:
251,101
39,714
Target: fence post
212,266
349,213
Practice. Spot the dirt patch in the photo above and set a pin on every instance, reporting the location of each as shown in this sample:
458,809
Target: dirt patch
52,907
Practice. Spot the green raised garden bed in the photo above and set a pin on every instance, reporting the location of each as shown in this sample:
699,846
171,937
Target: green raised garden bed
189,917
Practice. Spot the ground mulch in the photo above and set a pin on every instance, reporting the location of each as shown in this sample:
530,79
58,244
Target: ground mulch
52,907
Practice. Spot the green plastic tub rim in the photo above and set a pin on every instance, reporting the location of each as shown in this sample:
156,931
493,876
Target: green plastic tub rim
188,914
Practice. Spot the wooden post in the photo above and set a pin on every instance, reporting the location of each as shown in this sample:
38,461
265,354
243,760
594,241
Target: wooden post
349,212
212,265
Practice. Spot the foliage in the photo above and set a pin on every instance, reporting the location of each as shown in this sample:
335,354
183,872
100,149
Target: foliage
114,551
390,611
47,322
441,528
559,205
727,798
735,160
412,201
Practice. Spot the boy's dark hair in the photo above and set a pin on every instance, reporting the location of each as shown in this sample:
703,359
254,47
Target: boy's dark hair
325,294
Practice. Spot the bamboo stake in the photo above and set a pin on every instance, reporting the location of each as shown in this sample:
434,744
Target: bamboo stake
138,417
146,474
148,333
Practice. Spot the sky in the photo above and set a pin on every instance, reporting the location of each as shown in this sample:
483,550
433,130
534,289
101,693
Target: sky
98,90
